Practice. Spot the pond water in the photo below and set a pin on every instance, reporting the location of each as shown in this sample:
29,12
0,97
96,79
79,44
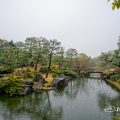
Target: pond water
82,99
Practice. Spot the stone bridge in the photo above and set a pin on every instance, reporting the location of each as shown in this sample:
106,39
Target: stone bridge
92,70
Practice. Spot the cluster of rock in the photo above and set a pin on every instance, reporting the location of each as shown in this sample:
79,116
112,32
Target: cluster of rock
59,82
30,85
62,81
28,88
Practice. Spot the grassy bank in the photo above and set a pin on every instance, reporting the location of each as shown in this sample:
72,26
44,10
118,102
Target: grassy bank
116,118
114,83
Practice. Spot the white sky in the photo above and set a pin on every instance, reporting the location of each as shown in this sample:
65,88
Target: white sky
90,26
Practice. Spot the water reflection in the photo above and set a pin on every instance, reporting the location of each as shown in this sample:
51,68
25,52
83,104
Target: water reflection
98,93
73,88
82,99
105,100
32,107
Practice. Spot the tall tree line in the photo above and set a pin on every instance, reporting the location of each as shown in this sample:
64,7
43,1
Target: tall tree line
110,59
41,51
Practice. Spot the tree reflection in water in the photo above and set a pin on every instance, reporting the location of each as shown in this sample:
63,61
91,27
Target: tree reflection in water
91,94
73,88
31,107
105,100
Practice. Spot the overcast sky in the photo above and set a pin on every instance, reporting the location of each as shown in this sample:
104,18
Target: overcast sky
90,26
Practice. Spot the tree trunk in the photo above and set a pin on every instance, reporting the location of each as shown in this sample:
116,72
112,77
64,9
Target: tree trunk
60,64
79,71
36,63
48,97
50,61
36,66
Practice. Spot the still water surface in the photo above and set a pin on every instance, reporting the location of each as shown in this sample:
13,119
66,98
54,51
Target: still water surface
82,99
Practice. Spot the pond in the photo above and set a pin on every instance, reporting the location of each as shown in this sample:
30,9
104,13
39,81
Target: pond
82,99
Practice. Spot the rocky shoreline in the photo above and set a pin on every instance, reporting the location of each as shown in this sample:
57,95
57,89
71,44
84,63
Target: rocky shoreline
31,86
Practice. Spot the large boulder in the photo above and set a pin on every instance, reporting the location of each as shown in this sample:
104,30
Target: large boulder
29,82
68,78
60,82
27,89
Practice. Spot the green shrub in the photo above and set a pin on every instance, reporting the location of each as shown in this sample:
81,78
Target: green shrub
56,71
11,86
5,69
69,73
115,77
54,75
38,77
28,75
28,69
19,77
43,69
24,73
